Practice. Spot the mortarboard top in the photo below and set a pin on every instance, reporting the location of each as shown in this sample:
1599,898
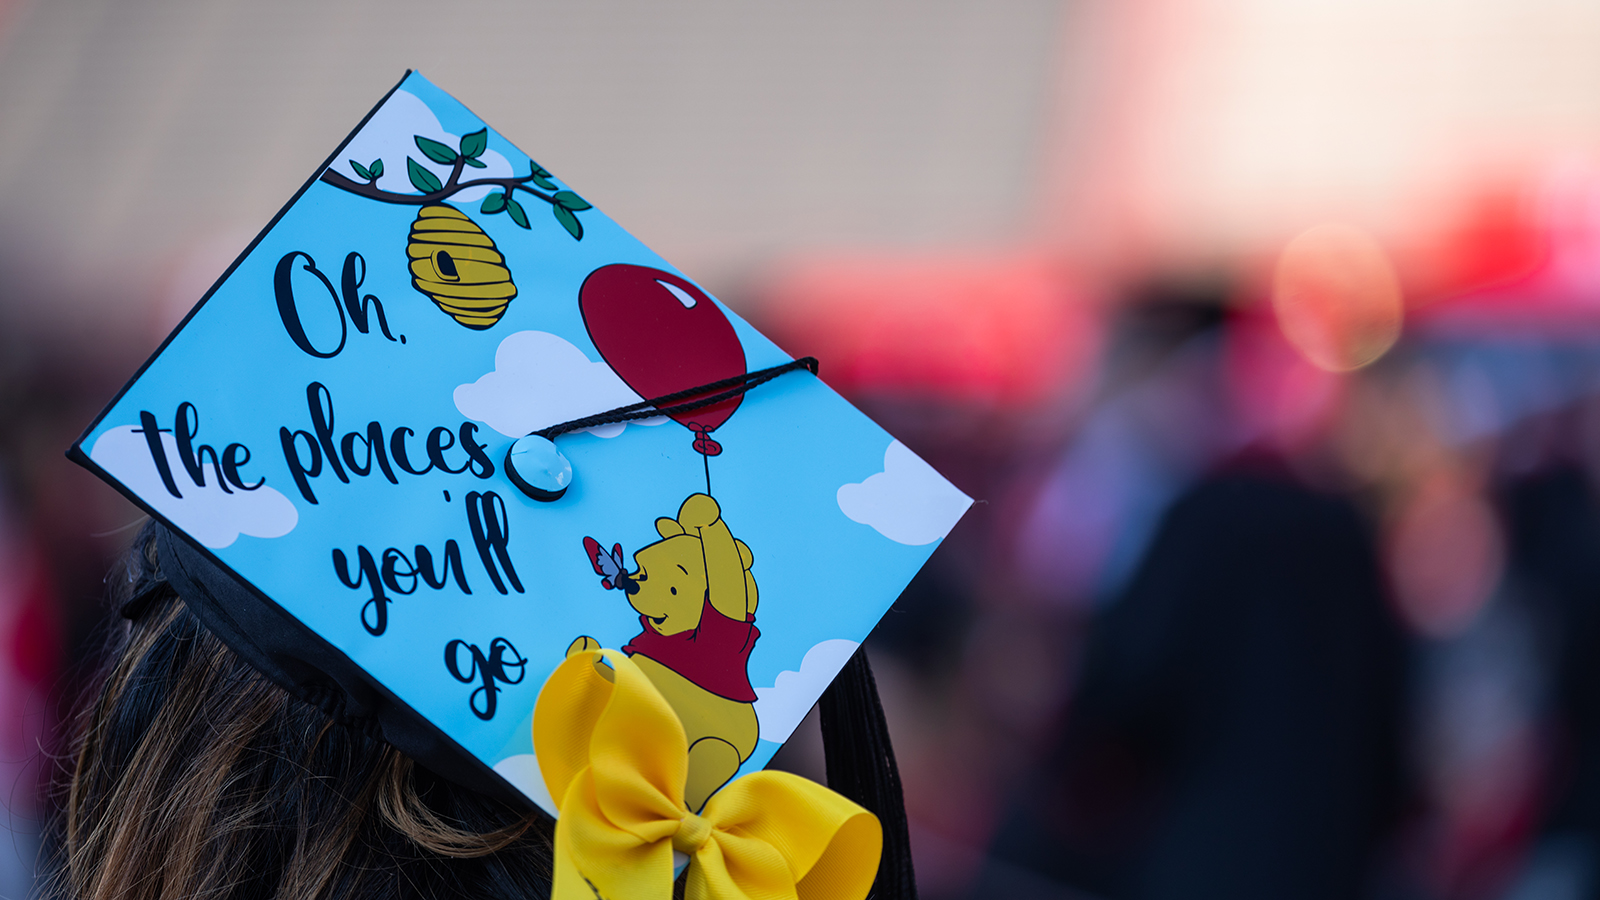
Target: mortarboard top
331,425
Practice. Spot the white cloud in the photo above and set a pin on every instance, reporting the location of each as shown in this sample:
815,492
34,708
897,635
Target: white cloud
908,502
390,135
781,707
208,514
539,380
522,770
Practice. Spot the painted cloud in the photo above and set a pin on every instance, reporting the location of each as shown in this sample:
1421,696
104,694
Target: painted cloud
781,707
389,136
908,502
208,514
522,770
539,380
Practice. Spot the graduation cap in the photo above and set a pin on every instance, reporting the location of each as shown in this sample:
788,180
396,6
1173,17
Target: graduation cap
337,440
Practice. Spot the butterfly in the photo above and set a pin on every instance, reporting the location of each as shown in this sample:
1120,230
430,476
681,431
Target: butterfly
608,565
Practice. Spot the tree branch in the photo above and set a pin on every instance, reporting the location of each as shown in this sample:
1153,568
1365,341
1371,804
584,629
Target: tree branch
376,193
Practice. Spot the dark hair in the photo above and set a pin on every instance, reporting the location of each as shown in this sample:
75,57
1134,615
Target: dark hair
191,775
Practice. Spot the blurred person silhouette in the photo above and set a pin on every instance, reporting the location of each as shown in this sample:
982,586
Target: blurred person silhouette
1552,514
1492,525
1157,426
29,647
1235,731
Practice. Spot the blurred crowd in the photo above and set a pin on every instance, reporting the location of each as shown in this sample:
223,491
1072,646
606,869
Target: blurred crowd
1284,575
1336,642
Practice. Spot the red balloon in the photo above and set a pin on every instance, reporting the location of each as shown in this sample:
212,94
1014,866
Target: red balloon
661,334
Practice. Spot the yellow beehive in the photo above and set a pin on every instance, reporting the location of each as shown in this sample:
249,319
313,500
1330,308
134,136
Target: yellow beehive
458,267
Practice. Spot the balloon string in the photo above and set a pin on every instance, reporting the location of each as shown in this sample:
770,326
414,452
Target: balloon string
668,404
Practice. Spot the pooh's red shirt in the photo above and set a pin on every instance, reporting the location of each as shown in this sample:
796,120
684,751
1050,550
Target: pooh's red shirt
715,655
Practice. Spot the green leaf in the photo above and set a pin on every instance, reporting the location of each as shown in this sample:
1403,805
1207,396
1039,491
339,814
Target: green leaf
376,169
439,153
568,221
541,176
569,200
518,214
421,178
361,170
493,204
473,145
473,163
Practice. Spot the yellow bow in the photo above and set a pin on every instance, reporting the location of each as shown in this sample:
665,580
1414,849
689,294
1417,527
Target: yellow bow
615,757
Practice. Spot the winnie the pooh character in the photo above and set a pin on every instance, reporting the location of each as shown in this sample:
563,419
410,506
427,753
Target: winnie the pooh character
696,601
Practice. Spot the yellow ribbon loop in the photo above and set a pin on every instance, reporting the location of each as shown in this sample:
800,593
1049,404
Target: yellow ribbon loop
615,757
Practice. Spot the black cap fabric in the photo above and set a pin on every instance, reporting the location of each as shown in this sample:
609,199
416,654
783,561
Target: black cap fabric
301,662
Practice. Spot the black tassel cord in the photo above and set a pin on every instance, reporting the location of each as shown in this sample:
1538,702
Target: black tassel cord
861,766
686,400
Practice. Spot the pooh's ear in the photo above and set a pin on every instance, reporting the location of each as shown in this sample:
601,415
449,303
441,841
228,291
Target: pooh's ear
745,556
667,527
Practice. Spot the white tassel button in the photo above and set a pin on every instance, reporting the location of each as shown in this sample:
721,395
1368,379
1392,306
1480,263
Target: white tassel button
538,469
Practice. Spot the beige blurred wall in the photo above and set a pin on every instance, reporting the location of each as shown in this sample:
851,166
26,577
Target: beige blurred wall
1222,127
142,143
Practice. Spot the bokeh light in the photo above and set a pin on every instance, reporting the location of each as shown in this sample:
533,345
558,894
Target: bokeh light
1445,555
1337,297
